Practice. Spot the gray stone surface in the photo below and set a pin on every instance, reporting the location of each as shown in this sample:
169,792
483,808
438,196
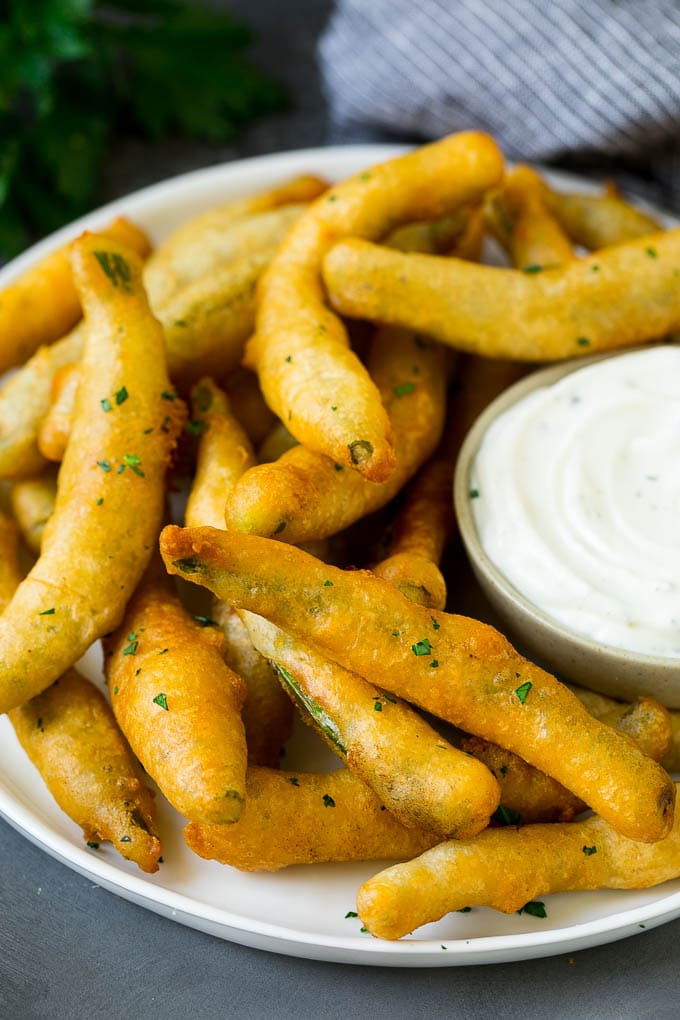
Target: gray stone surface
70,950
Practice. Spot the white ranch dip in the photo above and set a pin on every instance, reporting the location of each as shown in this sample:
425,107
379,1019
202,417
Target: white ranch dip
576,495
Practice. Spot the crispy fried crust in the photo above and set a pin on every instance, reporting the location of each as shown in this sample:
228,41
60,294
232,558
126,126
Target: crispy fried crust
179,704
111,484
475,681
507,868
308,375
571,310
302,818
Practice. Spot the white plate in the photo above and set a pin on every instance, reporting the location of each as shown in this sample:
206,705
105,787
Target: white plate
301,911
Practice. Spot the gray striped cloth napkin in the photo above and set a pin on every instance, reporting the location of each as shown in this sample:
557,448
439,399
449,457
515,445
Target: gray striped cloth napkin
591,85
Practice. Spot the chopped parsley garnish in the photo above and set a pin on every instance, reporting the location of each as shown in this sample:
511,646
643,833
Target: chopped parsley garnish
121,396
328,584
334,407
115,690
125,839
163,651
364,930
338,467
205,621
474,494
196,427
464,910
506,816
589,850
328,800
47,612
434,664
422,647
132,461
116,268
377,705
293,780
535,908
523,691
531,269
100,501
106,404
404,388
182,323
583,341
289,358
351,913
435,625
652,253
396,633
104,465
365,176
131,647
161,700
168,395
92,845
595,268
503,769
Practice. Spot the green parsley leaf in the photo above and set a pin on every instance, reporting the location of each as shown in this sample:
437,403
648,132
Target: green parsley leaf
75,71
92,845
589,850
104,465
474,494
506,816
47,612
522,692
422,647
131,648
434,664
435,625
125,839
535,908
121,396
132,461
196,427
351,913
116,268
168,395
99,501
328,584
583,341
464,910
338,467
293,780
328,800
404,388
652,253
162,701
377,705
106,405
532,269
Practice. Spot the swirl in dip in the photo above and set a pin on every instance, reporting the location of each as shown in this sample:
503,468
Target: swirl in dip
575,492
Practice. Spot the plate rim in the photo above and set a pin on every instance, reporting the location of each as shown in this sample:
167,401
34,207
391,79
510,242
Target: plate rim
195,913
